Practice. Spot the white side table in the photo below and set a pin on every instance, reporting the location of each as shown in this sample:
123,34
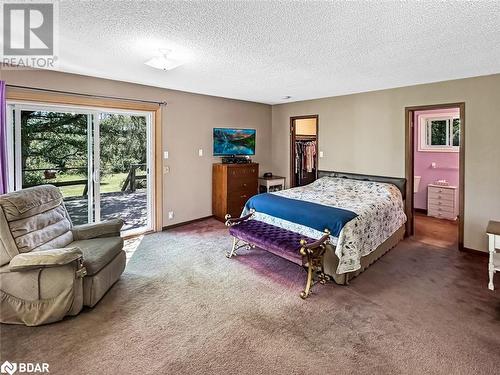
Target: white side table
270,184
493,232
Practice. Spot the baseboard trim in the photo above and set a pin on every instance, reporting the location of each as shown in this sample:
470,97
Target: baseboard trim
421,210
474,251
167,227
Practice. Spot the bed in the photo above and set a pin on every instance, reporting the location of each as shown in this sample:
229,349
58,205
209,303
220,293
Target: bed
376,226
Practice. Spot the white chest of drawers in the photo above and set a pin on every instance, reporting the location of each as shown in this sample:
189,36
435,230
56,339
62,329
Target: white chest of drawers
442,201
493,232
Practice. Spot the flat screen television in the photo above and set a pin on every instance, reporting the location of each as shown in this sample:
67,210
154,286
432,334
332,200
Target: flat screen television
234,141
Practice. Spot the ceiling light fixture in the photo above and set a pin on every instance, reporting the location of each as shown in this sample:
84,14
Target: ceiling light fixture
287,97
163,62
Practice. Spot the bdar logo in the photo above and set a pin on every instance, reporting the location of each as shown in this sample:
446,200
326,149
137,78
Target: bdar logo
8,368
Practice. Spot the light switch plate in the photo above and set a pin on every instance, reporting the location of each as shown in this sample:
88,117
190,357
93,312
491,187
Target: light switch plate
321,154
200,152
165,154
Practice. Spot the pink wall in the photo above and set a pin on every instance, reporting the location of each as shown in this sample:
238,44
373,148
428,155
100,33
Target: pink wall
447,163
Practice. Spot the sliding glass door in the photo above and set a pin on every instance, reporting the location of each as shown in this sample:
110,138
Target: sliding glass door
124,178
99,160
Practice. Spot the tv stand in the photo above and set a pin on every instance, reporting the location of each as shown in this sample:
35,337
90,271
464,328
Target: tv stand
236,160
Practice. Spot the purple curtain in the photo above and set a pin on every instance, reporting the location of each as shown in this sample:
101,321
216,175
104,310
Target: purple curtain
4,177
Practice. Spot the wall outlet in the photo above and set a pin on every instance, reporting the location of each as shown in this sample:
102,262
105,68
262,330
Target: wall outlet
165,154
166,169
200,152
170,215
321,154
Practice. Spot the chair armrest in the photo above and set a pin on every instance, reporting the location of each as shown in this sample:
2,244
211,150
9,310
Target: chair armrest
108,228
45,258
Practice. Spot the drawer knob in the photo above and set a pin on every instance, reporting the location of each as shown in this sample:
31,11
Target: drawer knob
244,185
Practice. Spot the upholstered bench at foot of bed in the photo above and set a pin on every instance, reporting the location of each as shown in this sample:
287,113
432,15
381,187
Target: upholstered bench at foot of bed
301,250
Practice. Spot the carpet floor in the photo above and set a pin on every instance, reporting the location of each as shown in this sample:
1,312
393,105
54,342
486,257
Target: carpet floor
182,307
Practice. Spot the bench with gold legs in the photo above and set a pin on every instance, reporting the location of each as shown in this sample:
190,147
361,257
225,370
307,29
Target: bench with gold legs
304,251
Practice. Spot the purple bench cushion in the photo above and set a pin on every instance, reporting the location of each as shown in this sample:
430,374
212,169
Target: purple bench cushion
276,240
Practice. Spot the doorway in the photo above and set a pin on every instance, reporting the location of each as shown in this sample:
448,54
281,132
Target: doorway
303,149
435,145
100,159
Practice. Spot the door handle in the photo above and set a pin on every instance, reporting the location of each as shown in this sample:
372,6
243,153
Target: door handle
96,176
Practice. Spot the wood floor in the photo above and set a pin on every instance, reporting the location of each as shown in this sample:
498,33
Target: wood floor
436,232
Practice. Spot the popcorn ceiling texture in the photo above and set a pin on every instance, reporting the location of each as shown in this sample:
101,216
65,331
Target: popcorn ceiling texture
262,51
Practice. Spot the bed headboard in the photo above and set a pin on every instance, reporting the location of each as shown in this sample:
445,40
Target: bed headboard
398,181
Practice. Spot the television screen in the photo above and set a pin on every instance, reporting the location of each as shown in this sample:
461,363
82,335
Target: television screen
234,141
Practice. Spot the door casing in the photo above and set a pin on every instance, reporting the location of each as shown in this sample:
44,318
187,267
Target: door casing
93,153
409,165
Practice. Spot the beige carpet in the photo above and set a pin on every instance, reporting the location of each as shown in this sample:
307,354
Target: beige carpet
182,307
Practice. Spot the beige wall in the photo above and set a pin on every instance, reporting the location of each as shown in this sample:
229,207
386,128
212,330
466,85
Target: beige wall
358,133
365,133
187,119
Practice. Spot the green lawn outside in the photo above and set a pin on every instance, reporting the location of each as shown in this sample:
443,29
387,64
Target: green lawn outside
110,183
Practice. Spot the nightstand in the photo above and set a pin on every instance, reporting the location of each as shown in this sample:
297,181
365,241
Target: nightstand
270,184
493,232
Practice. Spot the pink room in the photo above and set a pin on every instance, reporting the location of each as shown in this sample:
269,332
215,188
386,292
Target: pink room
437,174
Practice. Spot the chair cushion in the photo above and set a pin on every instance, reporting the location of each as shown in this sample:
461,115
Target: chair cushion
98,252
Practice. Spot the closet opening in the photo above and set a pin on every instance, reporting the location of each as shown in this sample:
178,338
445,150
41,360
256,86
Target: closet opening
303,150
435,174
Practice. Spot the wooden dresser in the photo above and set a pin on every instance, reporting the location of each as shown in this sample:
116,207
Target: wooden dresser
442,201
232,186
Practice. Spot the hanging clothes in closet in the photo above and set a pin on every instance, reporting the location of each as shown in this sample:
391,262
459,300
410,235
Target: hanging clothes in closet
305,161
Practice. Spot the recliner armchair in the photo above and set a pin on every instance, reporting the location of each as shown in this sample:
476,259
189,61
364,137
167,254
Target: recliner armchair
48,267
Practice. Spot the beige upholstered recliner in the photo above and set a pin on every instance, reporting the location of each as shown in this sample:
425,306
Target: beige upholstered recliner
48,267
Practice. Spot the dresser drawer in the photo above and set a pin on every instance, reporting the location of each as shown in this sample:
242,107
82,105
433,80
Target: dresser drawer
441,212
236,202
442,192
443,209
441,197
239,196
242,183
441,215
236,172
441,202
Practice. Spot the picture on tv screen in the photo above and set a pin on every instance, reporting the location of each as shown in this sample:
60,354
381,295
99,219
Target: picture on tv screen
234,141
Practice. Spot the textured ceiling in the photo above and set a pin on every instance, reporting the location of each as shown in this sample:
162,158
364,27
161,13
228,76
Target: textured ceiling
262,51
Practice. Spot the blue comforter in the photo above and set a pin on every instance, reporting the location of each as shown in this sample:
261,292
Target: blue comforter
309,214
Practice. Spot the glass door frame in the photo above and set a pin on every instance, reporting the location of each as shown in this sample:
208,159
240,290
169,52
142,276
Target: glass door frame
93,152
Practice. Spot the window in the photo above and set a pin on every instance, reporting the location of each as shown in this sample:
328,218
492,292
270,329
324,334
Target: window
439,134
